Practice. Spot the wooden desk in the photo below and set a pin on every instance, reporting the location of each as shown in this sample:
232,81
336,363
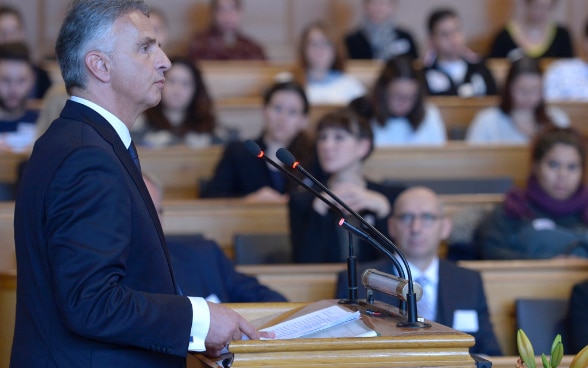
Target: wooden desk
506,281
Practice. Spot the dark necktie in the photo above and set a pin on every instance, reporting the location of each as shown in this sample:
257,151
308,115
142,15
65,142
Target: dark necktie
134,155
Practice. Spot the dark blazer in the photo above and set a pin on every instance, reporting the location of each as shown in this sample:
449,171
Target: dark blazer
358,46
202,269
578,318
238,173
477,77
95,284
459,289
561,46
316,238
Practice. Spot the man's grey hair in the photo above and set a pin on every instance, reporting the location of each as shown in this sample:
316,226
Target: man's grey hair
86,27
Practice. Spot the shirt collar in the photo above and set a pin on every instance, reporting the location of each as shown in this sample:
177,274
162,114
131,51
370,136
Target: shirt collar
431,273
120,127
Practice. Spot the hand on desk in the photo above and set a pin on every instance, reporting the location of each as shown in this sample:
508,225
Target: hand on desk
226,325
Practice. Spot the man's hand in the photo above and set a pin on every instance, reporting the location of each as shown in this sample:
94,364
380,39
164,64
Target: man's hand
226,325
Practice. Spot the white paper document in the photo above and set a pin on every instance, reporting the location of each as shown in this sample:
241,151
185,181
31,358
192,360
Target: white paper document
322,324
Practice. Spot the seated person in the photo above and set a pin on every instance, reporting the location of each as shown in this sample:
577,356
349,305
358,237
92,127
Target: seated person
12,29
241,174
549,217
344,141
223,39
17,122
522,112
322,68
378,37
567,79
202,269
402,117
534,35
452,296
577,319
452,69
185,114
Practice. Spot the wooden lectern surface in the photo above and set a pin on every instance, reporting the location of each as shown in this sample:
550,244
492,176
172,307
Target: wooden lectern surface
436,346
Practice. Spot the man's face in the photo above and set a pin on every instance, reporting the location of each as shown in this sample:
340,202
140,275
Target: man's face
16,81
227,15
418,225
448,38
137,63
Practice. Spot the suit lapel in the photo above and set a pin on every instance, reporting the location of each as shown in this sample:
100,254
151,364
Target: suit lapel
76,111
444,307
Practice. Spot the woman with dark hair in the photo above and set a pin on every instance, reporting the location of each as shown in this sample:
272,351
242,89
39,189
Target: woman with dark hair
534,34
322,67
241,174
522,112
185,113
549,217
401,115
344,141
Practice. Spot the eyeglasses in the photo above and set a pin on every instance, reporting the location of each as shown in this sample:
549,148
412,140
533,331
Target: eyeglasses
426,219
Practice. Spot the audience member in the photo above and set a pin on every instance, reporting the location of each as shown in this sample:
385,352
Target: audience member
202,268
160,25
344,141
241,174
567,79
17,121
522,112
82,209
401,114
185,114
322,64
577,319
378,37
223,40
12,29
451,68
549,217
534,34
452,295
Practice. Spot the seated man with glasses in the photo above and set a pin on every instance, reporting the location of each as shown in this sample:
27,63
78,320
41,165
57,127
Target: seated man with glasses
452,296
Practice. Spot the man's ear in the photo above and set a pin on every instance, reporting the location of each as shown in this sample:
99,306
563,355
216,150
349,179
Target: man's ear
446,226
99,65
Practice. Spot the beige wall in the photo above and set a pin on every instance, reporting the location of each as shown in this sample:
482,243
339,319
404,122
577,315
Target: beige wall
277,23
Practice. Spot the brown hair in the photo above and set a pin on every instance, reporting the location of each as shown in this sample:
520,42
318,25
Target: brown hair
398,68
200,117
347,119
339,59
552,136
524,65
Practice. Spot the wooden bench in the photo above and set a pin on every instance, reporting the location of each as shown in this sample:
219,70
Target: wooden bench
180,168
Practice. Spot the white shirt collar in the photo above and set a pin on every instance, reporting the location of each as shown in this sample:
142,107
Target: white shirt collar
432,272
117,124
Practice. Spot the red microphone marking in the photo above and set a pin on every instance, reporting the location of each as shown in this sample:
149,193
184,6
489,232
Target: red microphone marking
260,155
342,221
295,164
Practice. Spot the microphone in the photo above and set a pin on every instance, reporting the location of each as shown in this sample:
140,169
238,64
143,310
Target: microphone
255,150
288,159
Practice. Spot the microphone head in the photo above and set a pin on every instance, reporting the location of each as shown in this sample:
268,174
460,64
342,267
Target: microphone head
253,148
286,157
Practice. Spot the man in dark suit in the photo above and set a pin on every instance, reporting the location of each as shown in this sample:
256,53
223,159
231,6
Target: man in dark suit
577,319
452,296
95,283
202,268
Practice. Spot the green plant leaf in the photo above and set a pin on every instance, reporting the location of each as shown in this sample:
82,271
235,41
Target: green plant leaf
525,349
544,360
581,359
557,352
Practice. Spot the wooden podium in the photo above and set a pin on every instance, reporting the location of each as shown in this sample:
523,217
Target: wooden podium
436,346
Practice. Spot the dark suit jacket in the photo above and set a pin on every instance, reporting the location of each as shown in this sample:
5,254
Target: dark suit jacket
578,318
95,284
316,238
459,288
358,46
202,269
238,173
